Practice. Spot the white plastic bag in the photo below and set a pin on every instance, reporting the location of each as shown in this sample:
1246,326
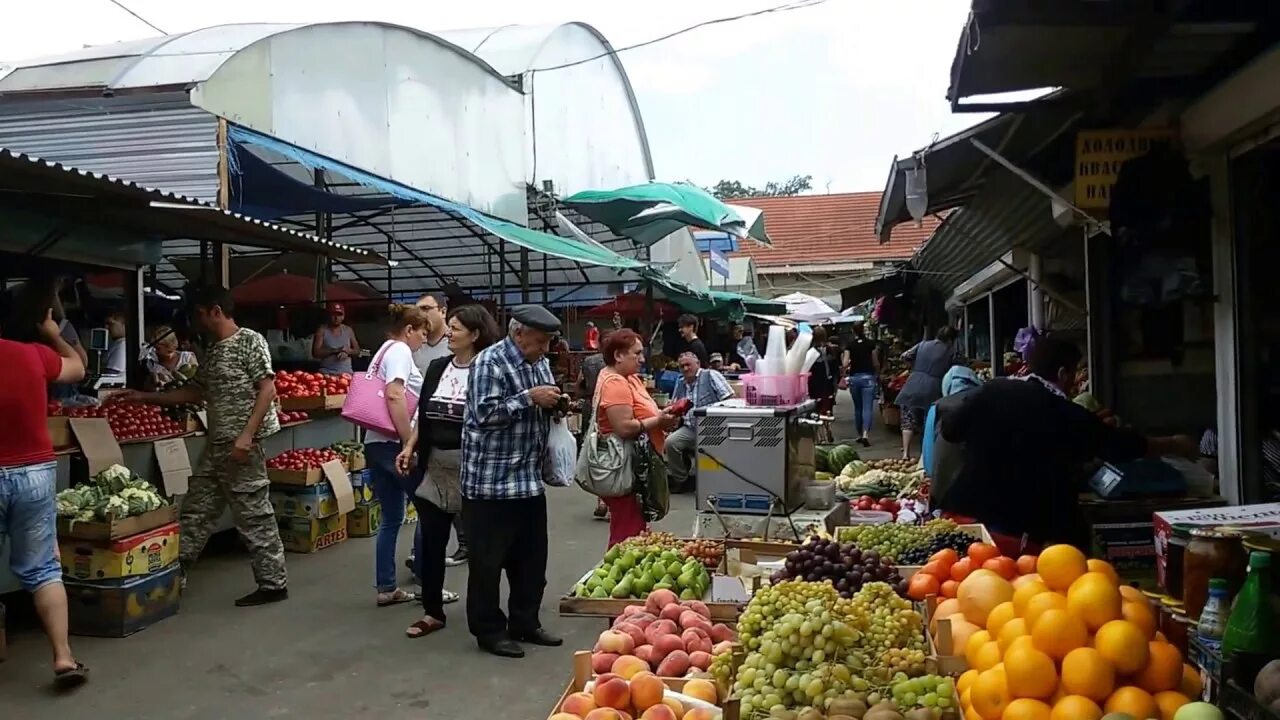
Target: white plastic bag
562,456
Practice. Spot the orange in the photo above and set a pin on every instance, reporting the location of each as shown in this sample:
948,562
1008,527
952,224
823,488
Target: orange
974,642
961,569
1169,702
980,592
1163,670
985,657
949,588
1124,645
945,556
1058,632
1038,604
1076,707
1060,565
1135,701
971,714
981,552
1023,592
1132,594
1191,685
1094,599
990,694
936,569
1011,631
965,680
1104,567
1140,614
1026,564
922,585
1031,673
1027,709
999,615
1002,566
1085,672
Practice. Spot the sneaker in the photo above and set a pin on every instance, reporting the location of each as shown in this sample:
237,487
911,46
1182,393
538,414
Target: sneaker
459,557
263,597
601,512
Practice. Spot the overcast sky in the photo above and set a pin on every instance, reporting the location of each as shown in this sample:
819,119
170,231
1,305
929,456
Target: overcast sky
832,91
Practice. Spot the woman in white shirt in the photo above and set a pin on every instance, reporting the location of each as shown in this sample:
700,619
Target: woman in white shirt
393,363
437,442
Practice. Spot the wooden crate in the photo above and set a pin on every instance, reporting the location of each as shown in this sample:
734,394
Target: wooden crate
292,404
948,659
977,530
611,608
582,675
117,528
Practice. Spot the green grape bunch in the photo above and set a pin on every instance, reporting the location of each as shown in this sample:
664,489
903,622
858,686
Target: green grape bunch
893,540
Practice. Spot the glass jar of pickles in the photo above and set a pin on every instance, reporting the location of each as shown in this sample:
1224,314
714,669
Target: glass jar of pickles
1211,552
1179,537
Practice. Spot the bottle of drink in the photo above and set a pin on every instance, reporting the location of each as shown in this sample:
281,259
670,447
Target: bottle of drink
1251,627
1213,618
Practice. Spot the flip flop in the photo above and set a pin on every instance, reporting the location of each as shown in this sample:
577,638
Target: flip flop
71,678
424,627
399,597
448,596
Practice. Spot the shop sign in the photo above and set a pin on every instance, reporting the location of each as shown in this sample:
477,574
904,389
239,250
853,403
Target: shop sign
1100,155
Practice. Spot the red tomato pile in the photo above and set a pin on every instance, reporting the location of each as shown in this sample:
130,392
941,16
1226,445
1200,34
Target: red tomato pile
337,384
298,384
302,459
128,421
885,504
292,417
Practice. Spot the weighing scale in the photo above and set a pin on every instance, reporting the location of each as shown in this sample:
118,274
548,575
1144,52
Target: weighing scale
754,460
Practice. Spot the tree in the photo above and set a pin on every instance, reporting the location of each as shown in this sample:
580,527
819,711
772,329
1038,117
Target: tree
732,189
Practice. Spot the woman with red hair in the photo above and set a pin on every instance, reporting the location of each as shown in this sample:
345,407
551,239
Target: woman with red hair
625,408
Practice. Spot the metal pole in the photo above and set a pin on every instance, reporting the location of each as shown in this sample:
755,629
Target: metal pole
1035,293
222,253
524,275
502,287
991,330
321,276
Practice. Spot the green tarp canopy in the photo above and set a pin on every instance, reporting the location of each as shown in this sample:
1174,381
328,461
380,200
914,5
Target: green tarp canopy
712,303
647,213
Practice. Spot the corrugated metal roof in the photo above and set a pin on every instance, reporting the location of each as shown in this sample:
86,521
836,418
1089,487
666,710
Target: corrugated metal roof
828,229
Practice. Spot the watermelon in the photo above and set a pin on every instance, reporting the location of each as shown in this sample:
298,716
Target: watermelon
840,456
822,458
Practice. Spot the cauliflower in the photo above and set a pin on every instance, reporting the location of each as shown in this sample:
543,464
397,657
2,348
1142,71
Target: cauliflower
113,479
141,500
113,506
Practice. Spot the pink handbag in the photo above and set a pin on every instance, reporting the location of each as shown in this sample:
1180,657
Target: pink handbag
366,403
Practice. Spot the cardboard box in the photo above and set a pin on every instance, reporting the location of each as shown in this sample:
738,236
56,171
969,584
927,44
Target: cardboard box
365,520
115,529
334,402
175,465
311,501
292,404
728,708
1246,516
140,554
119,608
308,477
307,535
60,433
97,444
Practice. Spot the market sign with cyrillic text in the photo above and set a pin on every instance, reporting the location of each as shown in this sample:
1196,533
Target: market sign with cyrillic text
1100,155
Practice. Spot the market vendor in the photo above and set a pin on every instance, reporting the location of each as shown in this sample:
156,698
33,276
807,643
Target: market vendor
117,357
1025,447
165,361
334,343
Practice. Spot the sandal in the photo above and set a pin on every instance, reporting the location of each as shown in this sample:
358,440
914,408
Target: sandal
448,596
423,628
398,597
71,678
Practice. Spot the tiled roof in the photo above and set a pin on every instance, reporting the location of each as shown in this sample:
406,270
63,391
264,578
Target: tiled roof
828,229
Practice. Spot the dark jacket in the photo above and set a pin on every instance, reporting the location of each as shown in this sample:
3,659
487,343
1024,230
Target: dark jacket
451,437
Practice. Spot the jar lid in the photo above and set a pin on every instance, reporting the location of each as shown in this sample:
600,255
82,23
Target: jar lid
1261,543
1216,533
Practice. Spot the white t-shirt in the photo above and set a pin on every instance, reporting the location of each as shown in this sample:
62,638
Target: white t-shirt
396,363
450,397
116,359
429,352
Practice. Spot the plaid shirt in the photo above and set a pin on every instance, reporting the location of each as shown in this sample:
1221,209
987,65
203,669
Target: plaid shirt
503,433
709,387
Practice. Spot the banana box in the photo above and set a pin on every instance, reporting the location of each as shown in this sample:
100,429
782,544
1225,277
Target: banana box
365,520
122,607
140,554
310,501
410,514
362,487
307,535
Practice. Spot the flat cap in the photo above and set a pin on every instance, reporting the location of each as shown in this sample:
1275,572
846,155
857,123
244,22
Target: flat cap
536,317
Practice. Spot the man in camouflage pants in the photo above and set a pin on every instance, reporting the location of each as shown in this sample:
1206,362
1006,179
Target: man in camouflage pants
237,382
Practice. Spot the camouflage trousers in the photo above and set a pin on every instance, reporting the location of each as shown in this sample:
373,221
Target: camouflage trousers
218,482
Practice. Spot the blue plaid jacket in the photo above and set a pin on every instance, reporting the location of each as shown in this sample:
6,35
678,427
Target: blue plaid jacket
504,434
709,388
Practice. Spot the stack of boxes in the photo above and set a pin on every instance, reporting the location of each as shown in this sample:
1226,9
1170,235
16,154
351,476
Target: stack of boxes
120,576
365,520
309,507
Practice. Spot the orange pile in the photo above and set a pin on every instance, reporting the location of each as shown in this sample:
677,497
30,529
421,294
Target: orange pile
1068,642
946,569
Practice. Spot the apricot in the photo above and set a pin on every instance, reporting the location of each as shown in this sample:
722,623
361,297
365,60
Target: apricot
700,713
660,712
612,693
628,666
647,690
703,690
604,713
565,716
578,704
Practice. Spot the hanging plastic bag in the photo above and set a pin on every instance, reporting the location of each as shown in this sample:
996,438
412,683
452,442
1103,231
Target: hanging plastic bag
562,455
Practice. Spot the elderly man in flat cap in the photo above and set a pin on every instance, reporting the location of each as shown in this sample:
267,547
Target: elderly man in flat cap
511,397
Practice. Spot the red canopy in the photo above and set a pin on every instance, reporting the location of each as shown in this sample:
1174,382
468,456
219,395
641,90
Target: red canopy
632,305
286,289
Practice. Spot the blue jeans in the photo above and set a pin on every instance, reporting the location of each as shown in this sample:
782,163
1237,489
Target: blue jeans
390,490
28,521
862,386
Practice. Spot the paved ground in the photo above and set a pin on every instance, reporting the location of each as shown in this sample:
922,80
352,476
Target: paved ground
327,652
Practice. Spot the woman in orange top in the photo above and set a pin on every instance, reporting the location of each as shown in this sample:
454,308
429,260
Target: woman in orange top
626,408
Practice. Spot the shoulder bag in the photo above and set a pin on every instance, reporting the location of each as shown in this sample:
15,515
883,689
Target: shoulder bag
366,403
604,462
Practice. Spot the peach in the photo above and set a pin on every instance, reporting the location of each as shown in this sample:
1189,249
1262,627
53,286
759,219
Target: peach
578,704
699,607
672,612
660,628
659,599
694,641
637,634
647,690
612,693
604,713
612,641
722,647
690,619
700,659
703,690
674,665
676,706
641,620
606,677
633,610
645,653
722,633
699,713
602,662
629,665
660,712
664,646
565,716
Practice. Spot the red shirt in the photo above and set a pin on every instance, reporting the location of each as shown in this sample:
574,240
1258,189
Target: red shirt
593,339
24,398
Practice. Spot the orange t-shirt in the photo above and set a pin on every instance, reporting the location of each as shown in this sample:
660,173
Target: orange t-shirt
618,390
